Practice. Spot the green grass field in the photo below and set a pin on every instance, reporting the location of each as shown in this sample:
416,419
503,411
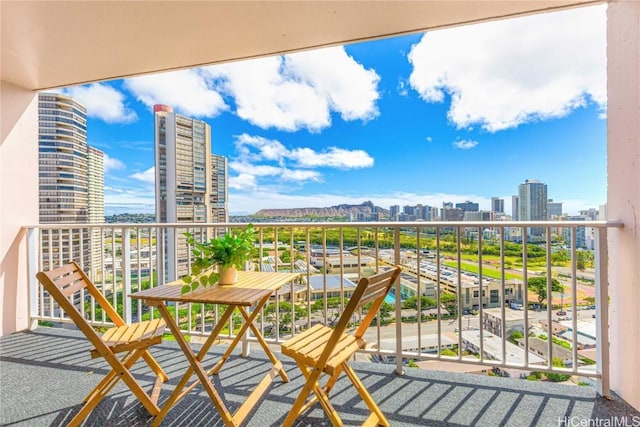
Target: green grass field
491,272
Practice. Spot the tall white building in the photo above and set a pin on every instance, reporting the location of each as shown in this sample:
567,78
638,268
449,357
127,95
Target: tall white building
95,208
532,204
219,189
191,184
63,169
63,165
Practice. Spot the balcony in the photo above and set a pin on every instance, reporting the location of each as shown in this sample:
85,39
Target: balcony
405,360
34,370
289,32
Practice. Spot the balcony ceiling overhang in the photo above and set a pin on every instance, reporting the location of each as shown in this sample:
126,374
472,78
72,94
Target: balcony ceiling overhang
47,44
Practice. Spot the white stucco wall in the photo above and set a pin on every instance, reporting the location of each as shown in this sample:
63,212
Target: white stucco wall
623,195
18,199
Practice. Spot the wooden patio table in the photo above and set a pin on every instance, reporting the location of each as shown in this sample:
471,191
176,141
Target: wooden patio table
252,289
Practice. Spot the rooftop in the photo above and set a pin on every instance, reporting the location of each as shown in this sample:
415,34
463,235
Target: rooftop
46,373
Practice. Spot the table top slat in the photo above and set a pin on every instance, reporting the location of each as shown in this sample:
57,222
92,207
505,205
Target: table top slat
249,289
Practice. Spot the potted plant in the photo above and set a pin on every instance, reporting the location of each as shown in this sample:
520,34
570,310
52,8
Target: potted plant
227,252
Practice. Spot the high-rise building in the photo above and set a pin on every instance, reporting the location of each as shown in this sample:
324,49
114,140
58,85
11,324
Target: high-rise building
514,208
554,209
191,184
428,213
477,216
590,214
95,208
394,211
497,205
219,189
468,206
63,176
532,204
409,210
62,146
451,214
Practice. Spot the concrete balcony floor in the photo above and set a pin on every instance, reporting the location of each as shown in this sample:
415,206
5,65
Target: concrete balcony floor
45,374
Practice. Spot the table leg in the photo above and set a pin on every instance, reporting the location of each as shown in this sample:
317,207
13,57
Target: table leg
272,357
195,366
248,322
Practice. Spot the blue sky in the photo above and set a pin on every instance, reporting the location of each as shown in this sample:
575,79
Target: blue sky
452,115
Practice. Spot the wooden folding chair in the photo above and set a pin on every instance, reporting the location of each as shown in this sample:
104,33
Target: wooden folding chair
64,285
322,349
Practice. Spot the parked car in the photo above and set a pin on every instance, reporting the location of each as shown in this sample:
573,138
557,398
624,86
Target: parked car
561,313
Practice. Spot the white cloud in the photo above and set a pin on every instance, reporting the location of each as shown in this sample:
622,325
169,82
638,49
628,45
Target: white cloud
299,91
111,164
243,181
505,73
268,149
148,176
333,157
465,144
262,161
257,148
103,102
300,175
188,91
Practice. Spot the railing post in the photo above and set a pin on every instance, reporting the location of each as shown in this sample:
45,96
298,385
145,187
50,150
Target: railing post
396,245
126,274
602,312
32,269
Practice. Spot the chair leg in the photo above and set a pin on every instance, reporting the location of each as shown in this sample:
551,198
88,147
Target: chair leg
120,370
154,365
135,387
328,408
312,377
299,405
366,397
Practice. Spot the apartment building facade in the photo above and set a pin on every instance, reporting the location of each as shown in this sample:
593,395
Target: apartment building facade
532,204
71,179
191,183
95,208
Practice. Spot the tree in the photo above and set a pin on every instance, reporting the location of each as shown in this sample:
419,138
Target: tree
284,309
285,256
450,301
425,303
538,285
560,257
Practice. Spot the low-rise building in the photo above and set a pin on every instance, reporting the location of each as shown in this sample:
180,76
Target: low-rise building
428,343
344,264
513,321
541,348
492,350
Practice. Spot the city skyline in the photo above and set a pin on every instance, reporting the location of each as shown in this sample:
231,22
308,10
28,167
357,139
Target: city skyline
454,115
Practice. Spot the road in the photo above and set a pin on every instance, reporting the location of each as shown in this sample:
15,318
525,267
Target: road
451,325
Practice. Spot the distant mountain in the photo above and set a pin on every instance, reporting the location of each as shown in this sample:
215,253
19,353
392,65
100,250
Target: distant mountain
366,208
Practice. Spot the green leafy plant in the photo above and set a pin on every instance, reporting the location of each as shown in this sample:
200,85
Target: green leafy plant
233,249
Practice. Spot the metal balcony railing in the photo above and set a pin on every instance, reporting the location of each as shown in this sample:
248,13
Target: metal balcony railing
463,296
